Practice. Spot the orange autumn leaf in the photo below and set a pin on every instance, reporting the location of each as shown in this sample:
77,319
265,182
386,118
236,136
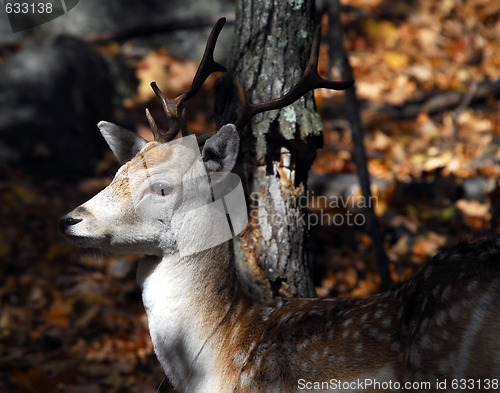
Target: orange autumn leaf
396,60
382,31
58,314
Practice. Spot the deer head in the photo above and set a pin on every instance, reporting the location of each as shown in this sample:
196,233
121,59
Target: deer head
159,180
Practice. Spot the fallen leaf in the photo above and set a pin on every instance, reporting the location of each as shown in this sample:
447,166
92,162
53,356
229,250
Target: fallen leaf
382,31
473,208
396,60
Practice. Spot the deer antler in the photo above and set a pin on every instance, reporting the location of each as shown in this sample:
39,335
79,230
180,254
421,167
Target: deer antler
177,123
310,80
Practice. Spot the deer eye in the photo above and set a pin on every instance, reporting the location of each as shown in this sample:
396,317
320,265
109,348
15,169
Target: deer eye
162,189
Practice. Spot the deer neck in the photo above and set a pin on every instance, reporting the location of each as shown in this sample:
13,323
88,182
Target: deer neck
186,300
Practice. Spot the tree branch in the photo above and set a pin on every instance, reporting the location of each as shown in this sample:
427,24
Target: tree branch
148,30
339,59
441,101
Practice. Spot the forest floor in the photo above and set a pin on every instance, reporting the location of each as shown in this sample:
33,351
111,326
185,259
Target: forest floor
71,320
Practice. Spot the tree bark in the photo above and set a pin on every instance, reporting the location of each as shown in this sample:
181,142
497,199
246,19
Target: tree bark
271,48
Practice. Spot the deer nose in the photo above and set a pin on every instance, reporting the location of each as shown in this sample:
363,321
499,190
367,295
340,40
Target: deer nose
67,221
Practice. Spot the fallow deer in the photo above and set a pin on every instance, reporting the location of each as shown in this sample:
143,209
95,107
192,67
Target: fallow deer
439,331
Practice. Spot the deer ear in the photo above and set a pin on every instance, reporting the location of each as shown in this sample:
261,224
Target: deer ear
123,143
221,150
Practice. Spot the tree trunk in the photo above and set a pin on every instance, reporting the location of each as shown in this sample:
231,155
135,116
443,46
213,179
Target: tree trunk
271,48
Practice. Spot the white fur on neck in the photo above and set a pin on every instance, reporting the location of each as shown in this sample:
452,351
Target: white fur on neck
175,323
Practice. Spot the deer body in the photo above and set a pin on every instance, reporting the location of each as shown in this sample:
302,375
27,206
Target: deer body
442,325
211,336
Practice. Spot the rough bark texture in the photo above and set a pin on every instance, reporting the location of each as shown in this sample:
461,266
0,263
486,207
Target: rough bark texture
271,48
